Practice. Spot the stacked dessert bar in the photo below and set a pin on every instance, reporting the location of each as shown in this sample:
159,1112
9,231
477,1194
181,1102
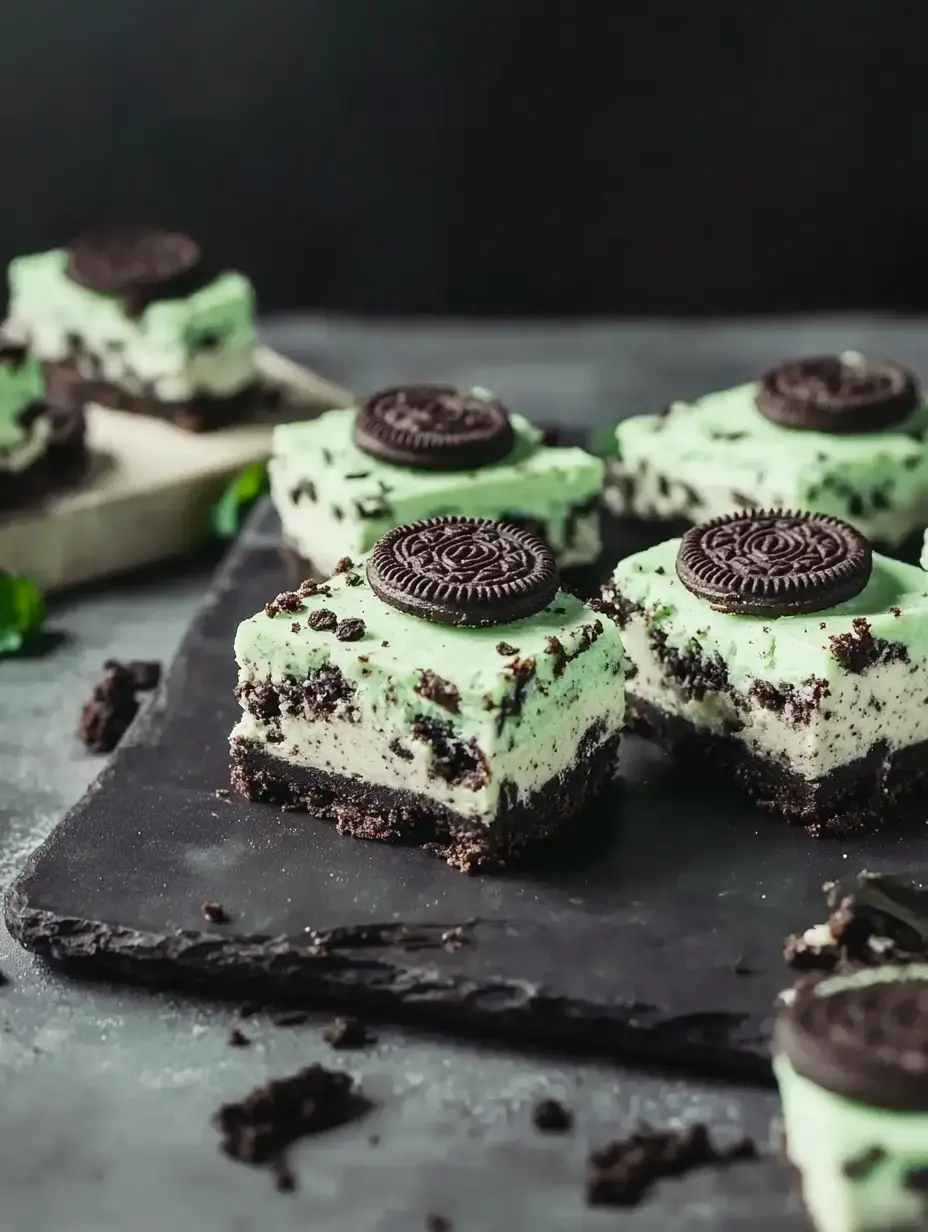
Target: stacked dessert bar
137,320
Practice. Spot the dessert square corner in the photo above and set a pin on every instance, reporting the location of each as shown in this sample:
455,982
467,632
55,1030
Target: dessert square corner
821,717
474,743
335,500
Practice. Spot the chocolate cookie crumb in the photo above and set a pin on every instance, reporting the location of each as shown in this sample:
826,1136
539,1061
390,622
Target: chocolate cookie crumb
259,1128
440,691
323,620
871,919
438,1223
550,1116
504,648
621,1173
554,648
289,601
308,588
290,1018
295,627
238,1039
344,1033
215,913
350,630
106,715
859,650
343,565
374,1140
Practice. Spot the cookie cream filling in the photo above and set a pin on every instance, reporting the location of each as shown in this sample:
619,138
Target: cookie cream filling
470,718
335,500
202,344
814,691
702,459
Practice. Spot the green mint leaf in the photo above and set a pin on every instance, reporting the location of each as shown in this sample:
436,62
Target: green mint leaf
22,611
229,511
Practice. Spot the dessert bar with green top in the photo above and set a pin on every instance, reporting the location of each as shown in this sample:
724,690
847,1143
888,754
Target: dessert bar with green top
341,481
780,647
851,1061
837,434
443,691
136,320
42,448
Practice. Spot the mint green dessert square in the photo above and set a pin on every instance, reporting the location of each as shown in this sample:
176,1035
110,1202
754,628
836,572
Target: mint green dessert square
335,500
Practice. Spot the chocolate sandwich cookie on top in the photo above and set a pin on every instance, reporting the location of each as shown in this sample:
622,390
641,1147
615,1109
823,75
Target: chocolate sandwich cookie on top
851,1060
839,434
781,648
137,319
442,691
341,481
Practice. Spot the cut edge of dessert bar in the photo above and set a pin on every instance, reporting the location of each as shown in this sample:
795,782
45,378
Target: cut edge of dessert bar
42,447
778,648
443,692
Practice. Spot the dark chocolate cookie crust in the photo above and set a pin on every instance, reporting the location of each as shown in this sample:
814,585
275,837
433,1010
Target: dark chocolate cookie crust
69,389
363,810
63,464
850,799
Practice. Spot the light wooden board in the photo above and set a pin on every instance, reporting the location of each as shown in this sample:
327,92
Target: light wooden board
150,487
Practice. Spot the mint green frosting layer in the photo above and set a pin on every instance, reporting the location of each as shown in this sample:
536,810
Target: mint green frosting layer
825,1132
787,649
20,386
705,458
355,498
575,683
162,347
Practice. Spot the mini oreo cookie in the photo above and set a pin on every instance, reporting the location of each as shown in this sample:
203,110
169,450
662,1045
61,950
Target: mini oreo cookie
838,393
773,563
463,571
140,265
434,428
862,1036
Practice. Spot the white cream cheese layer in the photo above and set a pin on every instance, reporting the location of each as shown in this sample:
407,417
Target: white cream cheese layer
367,750
887,704
202,344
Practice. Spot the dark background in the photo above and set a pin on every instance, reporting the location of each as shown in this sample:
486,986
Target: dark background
487,156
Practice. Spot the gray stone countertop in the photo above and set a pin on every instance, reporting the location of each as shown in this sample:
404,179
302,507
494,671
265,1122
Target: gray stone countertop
106,1093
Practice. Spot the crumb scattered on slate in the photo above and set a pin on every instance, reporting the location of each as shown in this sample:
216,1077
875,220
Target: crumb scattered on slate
221,793
374,1139
743,967
550,1116
113,704
871,919
621,1173
238,1039
438,1223
347,1033
215,913
259,1128
290,1018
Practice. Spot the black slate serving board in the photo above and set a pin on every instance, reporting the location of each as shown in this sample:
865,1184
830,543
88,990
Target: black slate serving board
658,936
